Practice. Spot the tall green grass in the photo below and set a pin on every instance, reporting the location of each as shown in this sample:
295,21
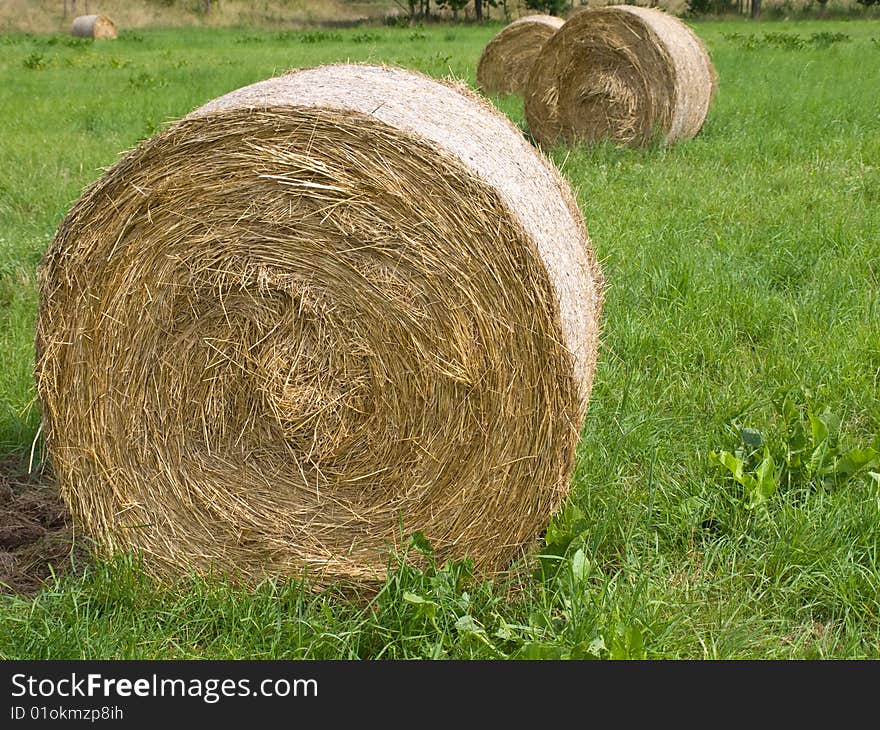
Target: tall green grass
743,267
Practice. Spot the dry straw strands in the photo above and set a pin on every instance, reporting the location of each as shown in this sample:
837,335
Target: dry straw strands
93,26
507,59
321,312
623,73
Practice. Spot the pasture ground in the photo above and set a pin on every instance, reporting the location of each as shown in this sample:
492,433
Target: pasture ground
742,317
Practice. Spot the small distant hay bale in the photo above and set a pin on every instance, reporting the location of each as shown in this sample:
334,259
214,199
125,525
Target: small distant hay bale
507,59
320,314
93,26
629,74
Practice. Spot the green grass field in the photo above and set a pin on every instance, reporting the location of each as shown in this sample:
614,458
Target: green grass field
742,317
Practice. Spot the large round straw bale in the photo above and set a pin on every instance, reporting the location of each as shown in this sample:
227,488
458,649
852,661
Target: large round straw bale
319,314
507,59
625,73
93,26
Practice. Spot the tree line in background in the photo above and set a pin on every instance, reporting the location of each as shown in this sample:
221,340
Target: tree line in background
479,9
81,7
749,7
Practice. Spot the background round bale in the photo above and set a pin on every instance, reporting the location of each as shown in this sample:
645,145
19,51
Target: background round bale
321,313
507,59
629,74
93,26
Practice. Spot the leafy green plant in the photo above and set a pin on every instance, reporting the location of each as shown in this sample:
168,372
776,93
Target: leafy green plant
789,41
572,592
826,39
542,650
36,61
145,80
786,41
759,482
807,452
320,36
68,41
437,600
365,37
625,642
562,533
748,41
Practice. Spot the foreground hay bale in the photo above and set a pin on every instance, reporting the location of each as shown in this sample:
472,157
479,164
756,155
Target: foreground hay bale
93,26
323,311
623,73
507,59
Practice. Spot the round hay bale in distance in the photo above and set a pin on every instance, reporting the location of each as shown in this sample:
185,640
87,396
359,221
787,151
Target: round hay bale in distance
93,26
629,74
507,59
320,313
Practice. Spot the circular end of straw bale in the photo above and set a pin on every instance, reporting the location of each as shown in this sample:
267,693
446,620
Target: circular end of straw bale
628,74
320,314
93,26
507,59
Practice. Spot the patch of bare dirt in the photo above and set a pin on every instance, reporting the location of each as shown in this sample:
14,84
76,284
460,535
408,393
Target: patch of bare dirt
35,533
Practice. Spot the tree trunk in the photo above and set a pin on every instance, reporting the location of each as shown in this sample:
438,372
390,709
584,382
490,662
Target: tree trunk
478,10
756,9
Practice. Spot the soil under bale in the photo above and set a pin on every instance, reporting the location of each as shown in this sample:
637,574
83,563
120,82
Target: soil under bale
36,539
